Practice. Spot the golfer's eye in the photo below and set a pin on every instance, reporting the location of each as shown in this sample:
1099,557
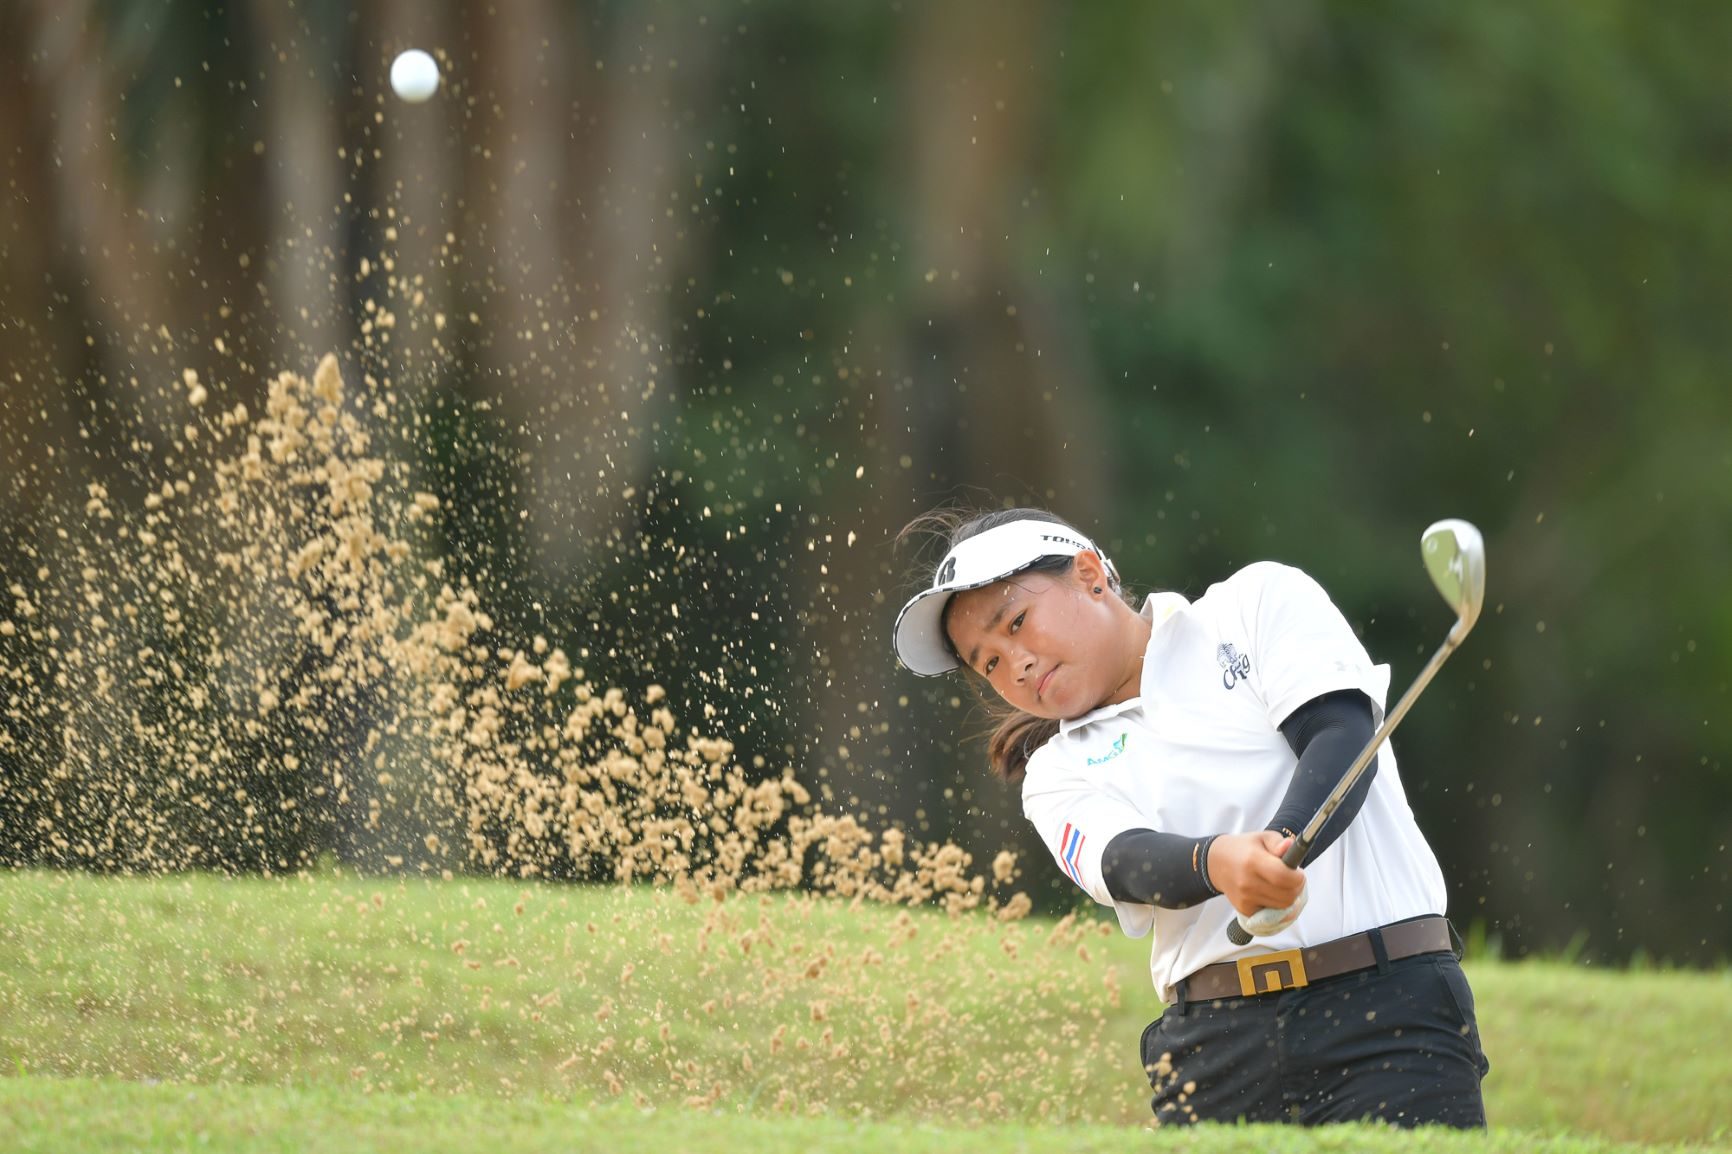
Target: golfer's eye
1017,624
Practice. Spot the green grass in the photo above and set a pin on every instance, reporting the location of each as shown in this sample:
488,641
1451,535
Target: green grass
306,1012
67,1117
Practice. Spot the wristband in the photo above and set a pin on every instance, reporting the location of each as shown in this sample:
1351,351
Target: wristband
1200,861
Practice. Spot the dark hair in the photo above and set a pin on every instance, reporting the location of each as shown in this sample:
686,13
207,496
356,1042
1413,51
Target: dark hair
1015,734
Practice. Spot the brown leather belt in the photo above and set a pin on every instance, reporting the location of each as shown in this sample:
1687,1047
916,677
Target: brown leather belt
1269,973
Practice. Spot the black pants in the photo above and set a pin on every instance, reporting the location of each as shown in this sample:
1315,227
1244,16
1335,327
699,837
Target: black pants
1397,1042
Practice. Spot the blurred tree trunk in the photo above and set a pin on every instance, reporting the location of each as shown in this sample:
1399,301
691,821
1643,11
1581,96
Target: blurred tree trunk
127,224
1010,402
40,342
983,397
309,269
571,170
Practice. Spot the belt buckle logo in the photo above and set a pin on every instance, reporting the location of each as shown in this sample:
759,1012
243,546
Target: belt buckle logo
1270,973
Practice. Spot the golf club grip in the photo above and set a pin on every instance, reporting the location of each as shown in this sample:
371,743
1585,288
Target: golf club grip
1236,931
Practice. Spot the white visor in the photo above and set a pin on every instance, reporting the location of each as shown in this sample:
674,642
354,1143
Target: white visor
980,560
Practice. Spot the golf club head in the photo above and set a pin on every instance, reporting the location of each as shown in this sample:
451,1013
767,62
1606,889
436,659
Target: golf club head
1454,555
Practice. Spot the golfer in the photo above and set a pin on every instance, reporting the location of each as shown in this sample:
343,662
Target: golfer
1167,755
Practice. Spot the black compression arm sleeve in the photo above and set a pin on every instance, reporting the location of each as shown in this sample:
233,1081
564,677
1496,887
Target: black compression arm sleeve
1158,869
1327,733
1171,870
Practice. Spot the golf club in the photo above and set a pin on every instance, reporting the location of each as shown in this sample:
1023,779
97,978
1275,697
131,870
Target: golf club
1454,554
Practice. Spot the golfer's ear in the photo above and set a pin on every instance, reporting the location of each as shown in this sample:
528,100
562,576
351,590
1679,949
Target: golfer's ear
1090,571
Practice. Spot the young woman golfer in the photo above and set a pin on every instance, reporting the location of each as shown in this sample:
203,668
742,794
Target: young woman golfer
1166,756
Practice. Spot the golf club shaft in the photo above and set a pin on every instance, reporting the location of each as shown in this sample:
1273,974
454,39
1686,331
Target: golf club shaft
1302,843
1351,777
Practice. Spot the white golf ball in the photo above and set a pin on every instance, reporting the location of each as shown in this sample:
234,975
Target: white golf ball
414,76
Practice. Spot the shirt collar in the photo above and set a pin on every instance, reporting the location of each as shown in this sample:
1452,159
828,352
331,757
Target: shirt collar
1158,609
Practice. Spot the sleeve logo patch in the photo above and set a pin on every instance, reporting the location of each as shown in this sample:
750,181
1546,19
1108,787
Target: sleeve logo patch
1070,853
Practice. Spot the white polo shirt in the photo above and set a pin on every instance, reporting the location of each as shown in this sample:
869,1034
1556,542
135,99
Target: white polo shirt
1200,752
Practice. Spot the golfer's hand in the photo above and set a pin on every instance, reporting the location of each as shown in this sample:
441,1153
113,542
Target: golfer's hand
1248,869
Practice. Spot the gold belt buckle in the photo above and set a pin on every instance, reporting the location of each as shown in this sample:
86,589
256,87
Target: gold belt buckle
1269,973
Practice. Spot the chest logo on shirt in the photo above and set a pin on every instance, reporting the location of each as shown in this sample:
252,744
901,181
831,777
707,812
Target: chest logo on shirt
1235,666
1117,748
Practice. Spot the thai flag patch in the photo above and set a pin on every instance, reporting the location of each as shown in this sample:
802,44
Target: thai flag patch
1070,853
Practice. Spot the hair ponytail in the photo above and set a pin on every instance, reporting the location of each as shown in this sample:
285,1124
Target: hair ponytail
1014,740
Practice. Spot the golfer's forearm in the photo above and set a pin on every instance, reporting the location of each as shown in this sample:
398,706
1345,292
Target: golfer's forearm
1158,869
1327,733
